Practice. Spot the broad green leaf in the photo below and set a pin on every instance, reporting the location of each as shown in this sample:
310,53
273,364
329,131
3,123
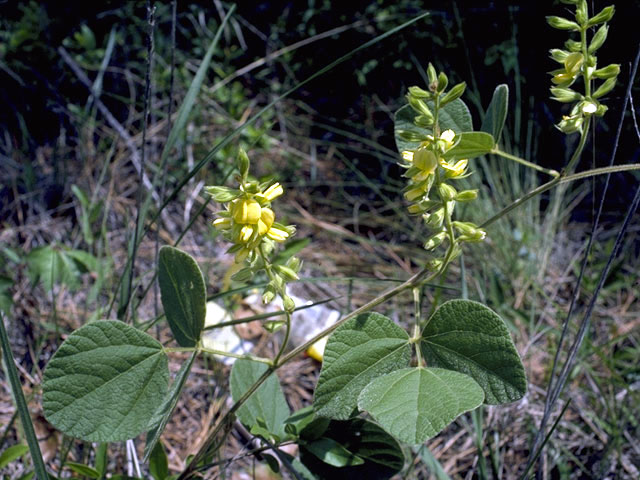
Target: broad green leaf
471,145
496,115
183,294
332,453
415,404
306,424
454,116
158,462
381,454
105,382
470,338
83,470
163,414
59,265
360,350
12,453
266,403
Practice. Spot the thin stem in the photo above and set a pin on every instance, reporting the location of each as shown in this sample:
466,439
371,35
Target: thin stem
213,351
526,163
285,341
418,319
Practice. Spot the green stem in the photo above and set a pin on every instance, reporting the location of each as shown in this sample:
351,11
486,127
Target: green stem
285,341
522,161
418,319
213,351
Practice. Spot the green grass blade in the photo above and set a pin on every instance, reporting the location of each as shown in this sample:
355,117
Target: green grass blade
21,403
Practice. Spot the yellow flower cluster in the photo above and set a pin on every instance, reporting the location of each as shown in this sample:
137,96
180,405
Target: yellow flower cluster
248,220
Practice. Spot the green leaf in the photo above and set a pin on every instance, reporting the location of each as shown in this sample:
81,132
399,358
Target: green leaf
183,294
470,338
163,414
6,299
105,382
381,454
496,115
332,453
83,470
415,404
158,463
267,402
470,145
12,453
454,116
272,462
360,350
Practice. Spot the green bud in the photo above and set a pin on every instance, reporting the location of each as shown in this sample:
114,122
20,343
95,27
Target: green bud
435,219
558,55
582,12
453,94
290,229
604,16
288,303
607,72
434,241
573,46
598,38
432,76
602,109
446,192
443,81
419,106
223,194
294,263
243,275
411,135
243,163
570,125
605,88
425,121
273,326
562,23
287,273
269,294
466,196
418,92
434,265
565,95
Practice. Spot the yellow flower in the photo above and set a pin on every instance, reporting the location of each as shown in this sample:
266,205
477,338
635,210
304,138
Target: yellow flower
455,170
425,160
272,192
267,217
448,136
277,234
246,211
222,223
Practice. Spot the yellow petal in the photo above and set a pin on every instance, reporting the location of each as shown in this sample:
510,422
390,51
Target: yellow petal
268,217
222,223
246,212
316,351
273,191
277,234
448,136
407,155
246,233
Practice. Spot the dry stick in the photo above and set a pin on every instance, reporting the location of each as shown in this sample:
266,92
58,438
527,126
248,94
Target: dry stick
111,120
289,48
145,121
554,390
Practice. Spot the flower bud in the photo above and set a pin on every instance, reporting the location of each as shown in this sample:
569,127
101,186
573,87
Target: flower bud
558,55
604,16
223,194
294,263
573,46
268,295
418,92
272,326
433,77
242,162
288,303
609,71
605,88
288,274
573,62
419,106
435,241
453,94
565,95
446,192
243,275
466,196
443,81
435,219
563,24
582,12
598,38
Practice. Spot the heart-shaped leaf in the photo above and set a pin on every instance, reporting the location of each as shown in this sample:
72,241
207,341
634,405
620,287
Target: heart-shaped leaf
496,112
454,116
470,338
183,294
267,404
414,404
105,382
380,453
332,453
360,350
